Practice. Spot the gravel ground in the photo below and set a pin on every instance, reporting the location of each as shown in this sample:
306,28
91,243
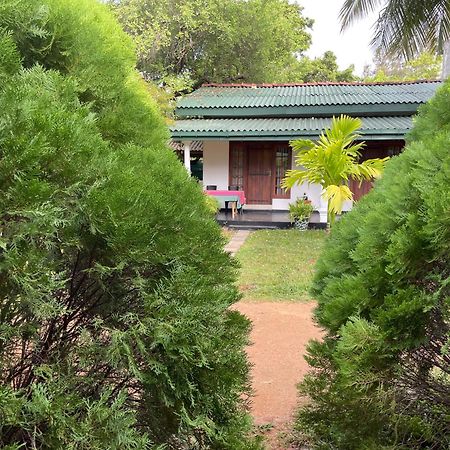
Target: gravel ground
279,337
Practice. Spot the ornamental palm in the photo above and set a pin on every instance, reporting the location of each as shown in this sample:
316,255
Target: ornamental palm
404,27
332,161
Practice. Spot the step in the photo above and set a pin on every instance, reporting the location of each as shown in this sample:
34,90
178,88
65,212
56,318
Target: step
252,227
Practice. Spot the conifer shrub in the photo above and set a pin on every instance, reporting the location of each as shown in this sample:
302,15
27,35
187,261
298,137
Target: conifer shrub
115,328
381,377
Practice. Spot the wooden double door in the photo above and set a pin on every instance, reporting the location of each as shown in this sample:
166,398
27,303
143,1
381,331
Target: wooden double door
258,168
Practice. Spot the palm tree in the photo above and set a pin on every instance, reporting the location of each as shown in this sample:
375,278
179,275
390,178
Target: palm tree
332,161
405,27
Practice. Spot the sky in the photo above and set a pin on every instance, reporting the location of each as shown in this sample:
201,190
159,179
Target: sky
351,47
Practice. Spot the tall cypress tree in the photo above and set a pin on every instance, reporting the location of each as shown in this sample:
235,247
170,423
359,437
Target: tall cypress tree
115,330
381,377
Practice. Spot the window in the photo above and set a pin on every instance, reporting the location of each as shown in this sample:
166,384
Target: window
237,166
282,165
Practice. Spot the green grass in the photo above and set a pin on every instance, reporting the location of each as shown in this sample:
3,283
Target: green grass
279,264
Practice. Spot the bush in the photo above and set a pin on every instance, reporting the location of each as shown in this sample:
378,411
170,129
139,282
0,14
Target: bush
115,330
212,204
381,377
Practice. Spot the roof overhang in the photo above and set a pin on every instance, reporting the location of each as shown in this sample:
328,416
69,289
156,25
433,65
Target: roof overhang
396,109
264,129
274,137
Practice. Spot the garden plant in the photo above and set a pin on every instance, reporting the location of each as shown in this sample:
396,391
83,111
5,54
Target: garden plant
332,161
300,212
381,376
115,330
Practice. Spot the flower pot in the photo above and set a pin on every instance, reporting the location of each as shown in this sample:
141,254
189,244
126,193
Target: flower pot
301,224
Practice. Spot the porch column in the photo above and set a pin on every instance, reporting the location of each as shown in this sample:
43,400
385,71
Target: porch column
323,209
187,155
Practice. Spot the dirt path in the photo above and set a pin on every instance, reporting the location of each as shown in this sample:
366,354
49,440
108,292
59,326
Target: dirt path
280,333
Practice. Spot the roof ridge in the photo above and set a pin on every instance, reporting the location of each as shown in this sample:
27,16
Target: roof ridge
319,83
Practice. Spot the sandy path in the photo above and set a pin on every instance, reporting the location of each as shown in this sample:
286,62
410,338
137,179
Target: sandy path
279,337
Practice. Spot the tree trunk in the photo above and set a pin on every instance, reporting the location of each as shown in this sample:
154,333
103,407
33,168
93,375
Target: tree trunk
446,61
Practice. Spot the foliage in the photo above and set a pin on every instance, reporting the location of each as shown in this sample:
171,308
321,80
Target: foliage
427,66
184,43
212,40
115,328
332,162
278,265
381,377
164,99
321,69
405,27
300,210
212,204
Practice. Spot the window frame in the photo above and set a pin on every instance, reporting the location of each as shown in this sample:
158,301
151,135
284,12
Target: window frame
237,147
286,194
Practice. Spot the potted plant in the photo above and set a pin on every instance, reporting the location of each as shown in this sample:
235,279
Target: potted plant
300,211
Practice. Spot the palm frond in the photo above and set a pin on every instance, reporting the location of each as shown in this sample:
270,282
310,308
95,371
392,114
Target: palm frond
353,10
336,196
371,168
404,27
342,133
346,127
301,145
294,177
354,150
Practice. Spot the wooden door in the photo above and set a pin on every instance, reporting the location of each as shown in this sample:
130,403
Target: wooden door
259,175
373,149
359,188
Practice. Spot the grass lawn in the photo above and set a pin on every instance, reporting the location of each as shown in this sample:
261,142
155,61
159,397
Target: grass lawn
279,264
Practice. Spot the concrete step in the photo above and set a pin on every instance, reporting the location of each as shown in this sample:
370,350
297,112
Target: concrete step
252,227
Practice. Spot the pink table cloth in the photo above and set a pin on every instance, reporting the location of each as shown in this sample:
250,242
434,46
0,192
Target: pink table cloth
239,194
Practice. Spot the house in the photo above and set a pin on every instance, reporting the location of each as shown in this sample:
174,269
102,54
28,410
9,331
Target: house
241,133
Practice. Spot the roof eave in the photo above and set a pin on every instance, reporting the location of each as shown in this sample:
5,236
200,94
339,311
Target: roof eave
303,111
369,135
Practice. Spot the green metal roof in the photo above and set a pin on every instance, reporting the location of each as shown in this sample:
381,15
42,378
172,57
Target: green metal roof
374,128
306,100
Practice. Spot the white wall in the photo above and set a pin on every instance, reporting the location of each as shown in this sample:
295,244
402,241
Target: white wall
215,163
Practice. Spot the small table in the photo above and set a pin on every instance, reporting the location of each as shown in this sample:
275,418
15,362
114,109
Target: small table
237,198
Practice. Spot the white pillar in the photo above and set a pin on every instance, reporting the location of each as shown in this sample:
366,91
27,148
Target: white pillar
323,209
187,155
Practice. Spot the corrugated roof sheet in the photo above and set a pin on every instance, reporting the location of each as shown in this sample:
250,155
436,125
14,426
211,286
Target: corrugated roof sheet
320,94
283,128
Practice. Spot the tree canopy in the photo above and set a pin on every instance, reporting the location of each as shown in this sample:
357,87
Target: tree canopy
188,42
115,327
324,68
426,66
